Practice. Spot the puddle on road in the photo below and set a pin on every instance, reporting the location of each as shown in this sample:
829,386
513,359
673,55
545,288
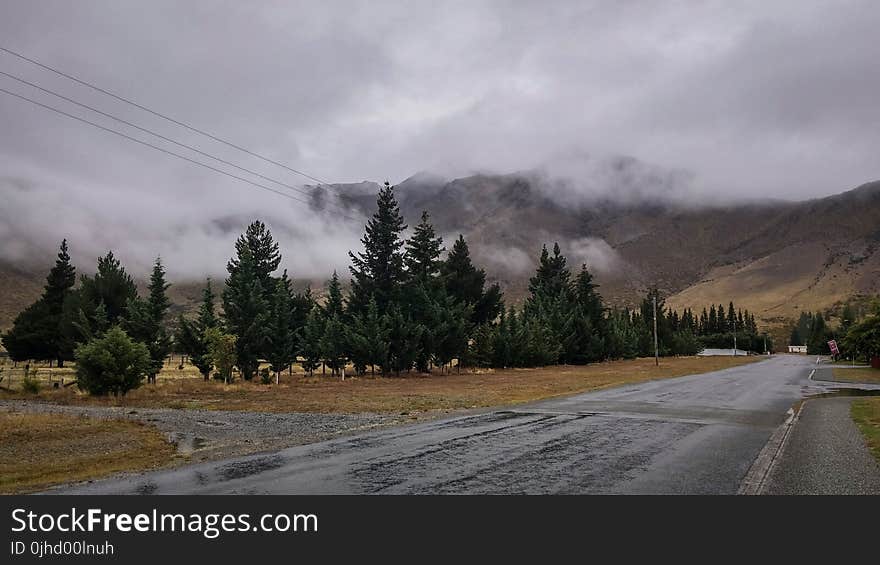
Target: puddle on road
187,444
247,467
146,488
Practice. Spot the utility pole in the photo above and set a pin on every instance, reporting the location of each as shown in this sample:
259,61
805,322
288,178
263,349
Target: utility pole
656,346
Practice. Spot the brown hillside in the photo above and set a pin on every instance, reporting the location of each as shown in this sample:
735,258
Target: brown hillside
775,258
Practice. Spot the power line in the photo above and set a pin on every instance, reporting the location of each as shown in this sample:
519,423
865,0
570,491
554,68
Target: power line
160,115
151,132
157,148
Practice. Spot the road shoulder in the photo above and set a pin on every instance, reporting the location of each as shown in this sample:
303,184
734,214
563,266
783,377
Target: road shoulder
825,453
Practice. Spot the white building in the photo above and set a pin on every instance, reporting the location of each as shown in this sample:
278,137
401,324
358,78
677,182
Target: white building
797,349
714,352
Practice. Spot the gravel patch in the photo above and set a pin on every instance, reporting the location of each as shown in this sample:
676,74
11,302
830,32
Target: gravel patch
202,435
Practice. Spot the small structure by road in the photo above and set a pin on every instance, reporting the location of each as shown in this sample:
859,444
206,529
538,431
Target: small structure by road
802,349
713,352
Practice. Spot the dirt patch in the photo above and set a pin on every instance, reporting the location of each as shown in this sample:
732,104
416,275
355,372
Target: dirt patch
199,435
39,450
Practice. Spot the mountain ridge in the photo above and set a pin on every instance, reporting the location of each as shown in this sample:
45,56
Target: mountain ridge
774,257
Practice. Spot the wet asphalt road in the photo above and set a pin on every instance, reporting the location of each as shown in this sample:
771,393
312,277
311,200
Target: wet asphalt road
695,434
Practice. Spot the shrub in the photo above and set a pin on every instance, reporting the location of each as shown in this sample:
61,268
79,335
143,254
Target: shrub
30,385
112,363
221,350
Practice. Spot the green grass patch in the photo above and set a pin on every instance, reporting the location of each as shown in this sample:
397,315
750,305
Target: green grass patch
860,375
866,414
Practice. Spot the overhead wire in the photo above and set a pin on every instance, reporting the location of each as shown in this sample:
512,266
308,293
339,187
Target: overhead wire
161,115
158,148
151,132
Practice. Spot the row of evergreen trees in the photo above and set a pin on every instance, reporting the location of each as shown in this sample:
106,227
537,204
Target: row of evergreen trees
857,336
813,331
408,308
65,317
861,337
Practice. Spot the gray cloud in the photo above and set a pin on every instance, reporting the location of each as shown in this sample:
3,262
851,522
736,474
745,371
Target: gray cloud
509,260
746,99
596,254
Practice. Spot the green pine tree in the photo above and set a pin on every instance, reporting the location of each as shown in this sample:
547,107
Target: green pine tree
541,347
404,341
59,284
552,277
817,343
589,320
28,337
145,320
623,337
502,341
466,284
481,349
334,346
335,305
378,271
192,335
280,329
265,256
451,321
422,254
112,286
368,340
518,338
310,345
301,305
247,311
424,292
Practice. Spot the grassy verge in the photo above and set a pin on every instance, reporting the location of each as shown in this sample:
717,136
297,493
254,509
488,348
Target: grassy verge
406,394
866,414
860,375
846,363
40,450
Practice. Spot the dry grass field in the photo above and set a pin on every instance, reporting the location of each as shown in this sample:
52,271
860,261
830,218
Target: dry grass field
39,450
409,394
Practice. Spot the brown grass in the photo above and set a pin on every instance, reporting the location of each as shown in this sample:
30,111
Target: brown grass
859,375
406,394
40,450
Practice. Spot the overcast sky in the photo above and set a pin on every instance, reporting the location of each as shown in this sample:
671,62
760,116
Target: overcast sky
751,98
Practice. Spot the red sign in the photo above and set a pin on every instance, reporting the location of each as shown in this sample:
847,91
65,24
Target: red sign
833,346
